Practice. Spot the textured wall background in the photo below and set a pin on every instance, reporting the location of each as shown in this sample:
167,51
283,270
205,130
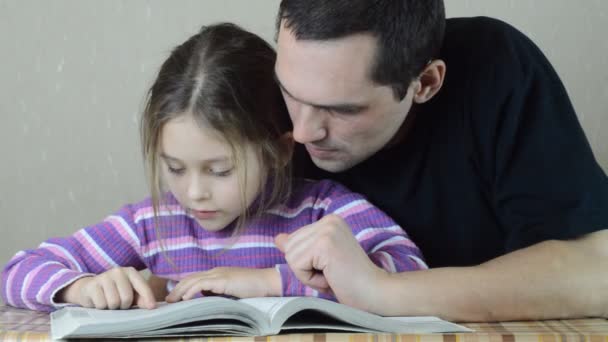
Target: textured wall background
73,75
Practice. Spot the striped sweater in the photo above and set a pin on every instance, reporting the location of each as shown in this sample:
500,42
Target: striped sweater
128,238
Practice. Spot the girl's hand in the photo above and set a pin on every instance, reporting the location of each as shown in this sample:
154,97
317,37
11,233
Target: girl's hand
231,281
158,286
118,288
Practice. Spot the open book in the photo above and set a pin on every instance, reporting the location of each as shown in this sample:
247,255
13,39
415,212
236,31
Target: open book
219,316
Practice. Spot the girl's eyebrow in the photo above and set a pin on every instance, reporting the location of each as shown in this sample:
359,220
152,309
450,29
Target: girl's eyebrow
210,160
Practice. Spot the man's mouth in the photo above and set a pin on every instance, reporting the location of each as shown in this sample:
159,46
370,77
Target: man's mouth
320,153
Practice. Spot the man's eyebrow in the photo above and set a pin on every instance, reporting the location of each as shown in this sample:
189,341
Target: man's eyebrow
338,107
276,79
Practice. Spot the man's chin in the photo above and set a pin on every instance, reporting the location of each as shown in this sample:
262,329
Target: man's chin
330,165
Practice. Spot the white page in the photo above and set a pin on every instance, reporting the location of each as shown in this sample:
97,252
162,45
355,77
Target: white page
269,305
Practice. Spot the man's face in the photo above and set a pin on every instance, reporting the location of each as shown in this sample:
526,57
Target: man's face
338,113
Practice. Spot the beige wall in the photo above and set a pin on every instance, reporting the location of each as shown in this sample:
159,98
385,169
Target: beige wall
73,74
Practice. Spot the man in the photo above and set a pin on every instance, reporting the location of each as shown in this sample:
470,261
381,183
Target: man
464,134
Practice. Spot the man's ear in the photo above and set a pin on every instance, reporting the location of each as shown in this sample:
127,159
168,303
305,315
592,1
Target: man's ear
430,81
287,151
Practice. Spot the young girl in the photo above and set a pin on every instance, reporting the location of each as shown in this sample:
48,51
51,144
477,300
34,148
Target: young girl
216,143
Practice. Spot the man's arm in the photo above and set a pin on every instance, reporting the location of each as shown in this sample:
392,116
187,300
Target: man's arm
550,280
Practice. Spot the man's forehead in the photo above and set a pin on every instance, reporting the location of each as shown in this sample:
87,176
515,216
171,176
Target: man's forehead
323,71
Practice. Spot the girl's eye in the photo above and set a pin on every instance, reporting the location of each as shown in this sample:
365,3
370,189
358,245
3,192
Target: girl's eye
222,173
176,171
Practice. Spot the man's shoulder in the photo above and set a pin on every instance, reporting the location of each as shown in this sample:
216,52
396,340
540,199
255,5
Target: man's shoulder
477,23
475,28
488,61
484,40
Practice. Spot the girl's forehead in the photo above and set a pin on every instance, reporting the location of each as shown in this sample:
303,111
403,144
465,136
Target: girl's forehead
185,136
191,127
185,139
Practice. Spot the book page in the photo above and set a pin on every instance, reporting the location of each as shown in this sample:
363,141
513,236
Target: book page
83,322
314,313
135,314
221,316
269,305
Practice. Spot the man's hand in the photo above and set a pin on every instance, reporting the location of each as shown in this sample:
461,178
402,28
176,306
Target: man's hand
549,280
326,256
118,288
231,281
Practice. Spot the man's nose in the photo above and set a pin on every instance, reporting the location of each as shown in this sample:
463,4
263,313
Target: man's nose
309,124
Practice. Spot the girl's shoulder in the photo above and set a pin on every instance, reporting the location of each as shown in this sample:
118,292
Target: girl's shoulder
320,189
166,200
144,208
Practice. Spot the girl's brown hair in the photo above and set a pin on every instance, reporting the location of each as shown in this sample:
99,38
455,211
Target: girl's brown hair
224,77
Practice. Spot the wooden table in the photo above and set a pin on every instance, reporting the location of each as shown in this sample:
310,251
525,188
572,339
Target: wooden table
25,325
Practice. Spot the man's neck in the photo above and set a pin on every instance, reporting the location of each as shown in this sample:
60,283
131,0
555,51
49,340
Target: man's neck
404,130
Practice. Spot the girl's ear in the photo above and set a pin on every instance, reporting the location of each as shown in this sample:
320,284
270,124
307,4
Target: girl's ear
287,143
430,81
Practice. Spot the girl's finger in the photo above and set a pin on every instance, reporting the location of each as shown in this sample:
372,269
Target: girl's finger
112,297
97,296
204,287
125,291
145,295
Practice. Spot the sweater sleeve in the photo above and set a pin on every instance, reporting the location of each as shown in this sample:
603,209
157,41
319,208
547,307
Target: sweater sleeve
32,277
384,241
542,178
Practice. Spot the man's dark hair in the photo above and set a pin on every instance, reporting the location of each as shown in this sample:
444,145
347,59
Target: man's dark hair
409,32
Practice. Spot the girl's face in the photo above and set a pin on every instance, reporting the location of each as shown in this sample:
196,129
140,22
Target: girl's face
197,166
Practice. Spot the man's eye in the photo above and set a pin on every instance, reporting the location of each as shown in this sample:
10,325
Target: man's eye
334,111
176,171
347,111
